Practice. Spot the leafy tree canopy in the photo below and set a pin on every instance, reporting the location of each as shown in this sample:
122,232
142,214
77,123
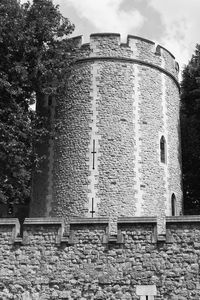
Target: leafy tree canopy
33,49
190,132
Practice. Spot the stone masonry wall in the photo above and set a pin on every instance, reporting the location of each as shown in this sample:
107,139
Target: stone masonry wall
90,264
115,189
71,147
121,98
174,153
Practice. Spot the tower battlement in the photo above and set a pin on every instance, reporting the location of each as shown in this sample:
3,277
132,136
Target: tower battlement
135,48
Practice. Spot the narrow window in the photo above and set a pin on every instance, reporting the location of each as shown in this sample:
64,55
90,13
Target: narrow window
173,204
163,150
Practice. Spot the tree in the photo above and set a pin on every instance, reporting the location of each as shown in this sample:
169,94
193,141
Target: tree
34,52
190,133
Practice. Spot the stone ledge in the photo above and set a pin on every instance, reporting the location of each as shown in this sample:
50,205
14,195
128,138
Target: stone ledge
44,221
161,47
14,222
137,220
89,221
135,37
183,219
9,221
114,34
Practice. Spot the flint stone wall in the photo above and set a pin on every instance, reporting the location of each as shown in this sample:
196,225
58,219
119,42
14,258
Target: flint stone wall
92,265
121,98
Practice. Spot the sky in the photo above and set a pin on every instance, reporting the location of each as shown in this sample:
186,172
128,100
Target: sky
174,24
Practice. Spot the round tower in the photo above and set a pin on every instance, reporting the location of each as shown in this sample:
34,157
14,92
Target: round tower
118,150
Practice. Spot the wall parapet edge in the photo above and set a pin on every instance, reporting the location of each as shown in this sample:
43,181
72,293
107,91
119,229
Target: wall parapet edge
158,51
135,37
58,227
183,219
44,221
136,220
83,221
129,48
14,223
111,34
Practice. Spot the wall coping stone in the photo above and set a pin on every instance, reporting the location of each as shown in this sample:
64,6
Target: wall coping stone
14,222
44,221
9,221
136,220
82,221
183,219
136,37
105,34
161,47
107,239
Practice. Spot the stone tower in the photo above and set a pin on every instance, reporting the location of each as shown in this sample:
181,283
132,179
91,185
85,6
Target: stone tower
118,150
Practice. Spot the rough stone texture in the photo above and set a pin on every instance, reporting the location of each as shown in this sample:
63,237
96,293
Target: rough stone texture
174,153
71,147
151,118
115,187
39,268
122,98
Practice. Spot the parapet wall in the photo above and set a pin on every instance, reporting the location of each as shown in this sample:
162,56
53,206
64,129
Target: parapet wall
90,264
109,45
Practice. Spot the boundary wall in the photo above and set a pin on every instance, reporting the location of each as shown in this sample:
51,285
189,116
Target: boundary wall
88,263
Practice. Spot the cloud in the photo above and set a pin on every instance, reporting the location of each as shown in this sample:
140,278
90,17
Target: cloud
107,15
174,23
182,23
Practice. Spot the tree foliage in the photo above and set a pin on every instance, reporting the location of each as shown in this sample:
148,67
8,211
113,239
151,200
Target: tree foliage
33,50
190,133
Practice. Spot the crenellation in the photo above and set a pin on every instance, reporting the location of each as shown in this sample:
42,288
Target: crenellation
77,41
137,48
160,49
94,264
143,49
138,38
9,230
108,45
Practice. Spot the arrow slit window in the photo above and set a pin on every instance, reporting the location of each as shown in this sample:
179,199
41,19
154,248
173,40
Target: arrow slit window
163,151
173,204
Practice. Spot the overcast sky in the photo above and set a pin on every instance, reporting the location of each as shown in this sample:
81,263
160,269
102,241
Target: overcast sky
175,24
